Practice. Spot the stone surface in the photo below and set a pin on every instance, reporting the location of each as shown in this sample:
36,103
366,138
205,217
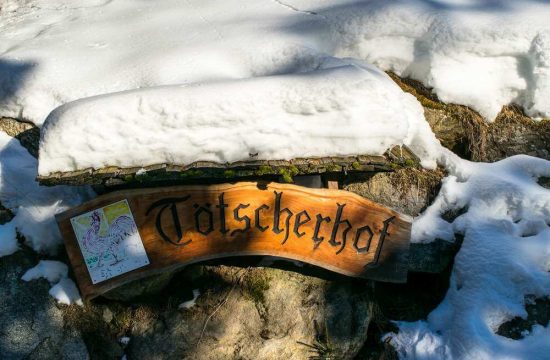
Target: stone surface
28,134
259,313
31,324
5,215
538,314
407,190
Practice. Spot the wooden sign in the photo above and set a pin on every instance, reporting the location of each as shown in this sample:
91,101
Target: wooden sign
126,235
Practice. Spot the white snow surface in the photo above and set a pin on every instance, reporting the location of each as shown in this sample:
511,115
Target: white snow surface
190,303
504,257
480,53
34,206
51,270
65,292
336,111
8,239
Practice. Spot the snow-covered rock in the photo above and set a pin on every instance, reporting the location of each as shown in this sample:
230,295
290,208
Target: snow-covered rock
337,111
505,257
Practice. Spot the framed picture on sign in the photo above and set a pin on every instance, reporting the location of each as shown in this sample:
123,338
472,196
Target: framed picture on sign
109,241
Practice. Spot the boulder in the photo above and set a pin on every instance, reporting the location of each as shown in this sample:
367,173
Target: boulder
466,133
259,313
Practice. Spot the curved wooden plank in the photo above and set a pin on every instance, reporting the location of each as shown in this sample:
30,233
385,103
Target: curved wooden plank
333,229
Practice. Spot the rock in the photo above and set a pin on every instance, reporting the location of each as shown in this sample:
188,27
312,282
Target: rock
31,324
5,215
258,313
432,257
466,133
410,191
27,133
107,315
407,190
142,287
538,314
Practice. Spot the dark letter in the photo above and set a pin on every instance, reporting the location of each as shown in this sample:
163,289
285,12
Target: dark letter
337,223
383,234
210,221
221,205
365,248
277,214
245,218
316,239
257,218
299,223
177,225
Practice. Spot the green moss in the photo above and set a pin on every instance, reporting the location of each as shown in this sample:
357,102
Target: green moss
128,178
293,170
410,163
394,166
286,175
264,170
334,168
229,173
143,177
355,165
255,287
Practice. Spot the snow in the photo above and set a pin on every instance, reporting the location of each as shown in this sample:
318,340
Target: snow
504,257
50,270
34,206
318,113
190,303
64,289
484,54
65,292
8,239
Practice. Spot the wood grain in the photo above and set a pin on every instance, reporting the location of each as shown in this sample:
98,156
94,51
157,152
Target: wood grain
249,218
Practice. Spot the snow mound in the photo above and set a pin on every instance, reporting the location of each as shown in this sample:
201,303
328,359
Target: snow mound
190,303
338,111
34,206
65,292
53,271
504,257
484,54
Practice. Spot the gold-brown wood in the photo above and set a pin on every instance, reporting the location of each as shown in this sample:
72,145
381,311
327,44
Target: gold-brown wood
249,218
331,184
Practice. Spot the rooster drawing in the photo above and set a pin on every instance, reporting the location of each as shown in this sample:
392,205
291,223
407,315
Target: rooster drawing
121,228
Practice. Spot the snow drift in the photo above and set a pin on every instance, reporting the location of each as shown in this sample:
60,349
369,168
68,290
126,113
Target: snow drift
484,54
504,258
34,206
344,110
